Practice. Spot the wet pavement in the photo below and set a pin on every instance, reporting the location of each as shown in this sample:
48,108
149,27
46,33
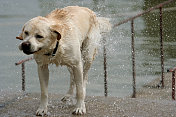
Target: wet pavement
150,102
26,106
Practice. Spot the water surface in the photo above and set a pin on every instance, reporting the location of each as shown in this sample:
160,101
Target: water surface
13,14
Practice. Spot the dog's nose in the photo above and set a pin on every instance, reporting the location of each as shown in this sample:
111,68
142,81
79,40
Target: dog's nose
26,45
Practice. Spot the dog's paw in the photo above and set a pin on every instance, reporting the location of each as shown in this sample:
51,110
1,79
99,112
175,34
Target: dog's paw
42,112
79,110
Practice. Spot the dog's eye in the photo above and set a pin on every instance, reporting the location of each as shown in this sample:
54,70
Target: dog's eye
26,33
39,36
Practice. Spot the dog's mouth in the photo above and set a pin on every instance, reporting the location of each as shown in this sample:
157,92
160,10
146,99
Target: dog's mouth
28,52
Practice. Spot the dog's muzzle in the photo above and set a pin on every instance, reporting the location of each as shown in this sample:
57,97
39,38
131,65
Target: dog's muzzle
26,47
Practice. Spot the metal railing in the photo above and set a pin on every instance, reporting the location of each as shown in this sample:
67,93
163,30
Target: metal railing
173,70
159,6
22,63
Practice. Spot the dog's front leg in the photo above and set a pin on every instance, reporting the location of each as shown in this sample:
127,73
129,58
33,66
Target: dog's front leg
80,94
43,73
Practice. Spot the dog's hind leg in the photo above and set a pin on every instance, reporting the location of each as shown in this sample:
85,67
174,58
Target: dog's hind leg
88,57
69,94
89,50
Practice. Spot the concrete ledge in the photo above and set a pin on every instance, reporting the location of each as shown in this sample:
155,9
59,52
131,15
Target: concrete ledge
150,102
26,105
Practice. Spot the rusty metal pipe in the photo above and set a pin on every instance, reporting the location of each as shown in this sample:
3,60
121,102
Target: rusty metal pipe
133,59
161,48
23,61
173,85
173,81
23,76
145,12
105,69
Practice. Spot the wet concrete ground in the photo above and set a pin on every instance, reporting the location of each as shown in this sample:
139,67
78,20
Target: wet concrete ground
150,102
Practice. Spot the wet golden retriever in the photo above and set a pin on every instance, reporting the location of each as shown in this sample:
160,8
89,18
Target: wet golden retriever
67,36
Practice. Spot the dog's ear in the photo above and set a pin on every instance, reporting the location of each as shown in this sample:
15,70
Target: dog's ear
57,30
20,37
58,35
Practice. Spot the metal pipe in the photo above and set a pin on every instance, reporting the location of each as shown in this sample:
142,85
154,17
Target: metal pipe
133,59
173,85
145,12
161,48
23,76
22,61
105,69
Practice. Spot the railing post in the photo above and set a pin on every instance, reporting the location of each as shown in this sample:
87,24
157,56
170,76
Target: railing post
133,59
105,68
23,76
22,62
161,48
173,84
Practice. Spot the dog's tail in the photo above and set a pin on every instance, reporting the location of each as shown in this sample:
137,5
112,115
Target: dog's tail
104,24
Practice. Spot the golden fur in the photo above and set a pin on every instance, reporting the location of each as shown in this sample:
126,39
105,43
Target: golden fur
78,31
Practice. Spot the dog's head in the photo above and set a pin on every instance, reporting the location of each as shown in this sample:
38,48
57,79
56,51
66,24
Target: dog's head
37,34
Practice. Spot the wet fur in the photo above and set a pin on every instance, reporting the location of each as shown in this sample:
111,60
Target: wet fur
80,32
